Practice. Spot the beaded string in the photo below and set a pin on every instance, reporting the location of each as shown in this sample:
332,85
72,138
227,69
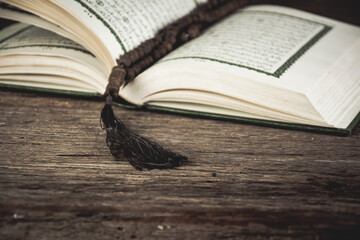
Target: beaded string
142,152
186,28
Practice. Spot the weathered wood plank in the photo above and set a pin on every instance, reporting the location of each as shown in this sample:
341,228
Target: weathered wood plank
58,180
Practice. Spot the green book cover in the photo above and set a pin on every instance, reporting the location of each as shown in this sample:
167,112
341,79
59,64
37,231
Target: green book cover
242,120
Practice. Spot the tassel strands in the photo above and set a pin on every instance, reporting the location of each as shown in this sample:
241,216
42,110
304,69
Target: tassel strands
139,151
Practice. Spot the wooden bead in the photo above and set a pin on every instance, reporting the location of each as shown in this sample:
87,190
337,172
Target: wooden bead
116,79
194,30
144,64
141,53
134,56
149,60
156,54
124,60
162,51
130,74
136,68
167,46
146,47
158,39
184,37
185,21
171,40
173,30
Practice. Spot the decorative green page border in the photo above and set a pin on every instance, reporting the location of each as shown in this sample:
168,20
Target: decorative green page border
39,45
301,51
13,87
14,34
103,22
288,63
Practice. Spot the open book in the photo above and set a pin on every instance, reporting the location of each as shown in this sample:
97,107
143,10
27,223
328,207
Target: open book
264,64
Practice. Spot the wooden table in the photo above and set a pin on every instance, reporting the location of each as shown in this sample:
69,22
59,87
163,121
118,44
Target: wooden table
59,181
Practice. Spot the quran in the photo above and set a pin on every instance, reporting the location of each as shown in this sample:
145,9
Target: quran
262,64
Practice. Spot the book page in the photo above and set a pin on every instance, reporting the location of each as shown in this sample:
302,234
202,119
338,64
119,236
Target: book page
13,13
229,58
123,25
266,56
273,45
31,36
26,49
262,41
108,28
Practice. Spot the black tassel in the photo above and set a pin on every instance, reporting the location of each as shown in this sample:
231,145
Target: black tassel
139,151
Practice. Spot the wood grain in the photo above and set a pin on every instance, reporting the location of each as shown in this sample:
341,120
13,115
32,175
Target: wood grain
58,180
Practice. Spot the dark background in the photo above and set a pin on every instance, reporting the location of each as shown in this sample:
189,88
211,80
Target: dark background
343,10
